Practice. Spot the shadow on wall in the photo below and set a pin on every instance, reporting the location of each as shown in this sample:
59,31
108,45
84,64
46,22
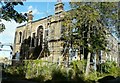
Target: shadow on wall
28,50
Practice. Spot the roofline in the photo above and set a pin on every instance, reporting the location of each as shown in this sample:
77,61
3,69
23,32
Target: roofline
35,21
41,19
21,25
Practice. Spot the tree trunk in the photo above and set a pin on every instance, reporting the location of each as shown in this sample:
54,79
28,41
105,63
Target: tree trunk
95,67
88,64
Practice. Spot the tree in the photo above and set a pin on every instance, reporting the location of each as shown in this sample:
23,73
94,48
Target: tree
109,14
8,12
2,27
86,24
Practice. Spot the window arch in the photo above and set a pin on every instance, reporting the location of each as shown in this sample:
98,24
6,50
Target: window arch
40,35
33,40
15,40
23,35
20,37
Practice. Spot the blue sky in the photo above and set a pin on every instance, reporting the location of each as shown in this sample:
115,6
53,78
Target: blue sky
40,10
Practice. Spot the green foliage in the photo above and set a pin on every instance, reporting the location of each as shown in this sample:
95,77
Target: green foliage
108,12
91,78
107,69
86,25
2,27
110,67
15,71
59,74
38,70
118,71
8,12
83,26
41,71
79,66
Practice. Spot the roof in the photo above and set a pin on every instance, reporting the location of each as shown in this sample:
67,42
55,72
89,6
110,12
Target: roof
21,26
36,21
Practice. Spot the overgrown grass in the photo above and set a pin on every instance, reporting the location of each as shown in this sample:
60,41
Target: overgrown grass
13,72
41,71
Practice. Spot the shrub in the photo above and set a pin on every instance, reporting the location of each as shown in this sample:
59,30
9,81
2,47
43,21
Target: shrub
42,71
59,74
110,68
38,70
15,71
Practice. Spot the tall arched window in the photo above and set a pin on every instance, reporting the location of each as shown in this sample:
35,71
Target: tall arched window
20,37
15,40
40,35
33,40
23,35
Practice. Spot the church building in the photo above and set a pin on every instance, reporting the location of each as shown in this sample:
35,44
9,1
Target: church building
42,39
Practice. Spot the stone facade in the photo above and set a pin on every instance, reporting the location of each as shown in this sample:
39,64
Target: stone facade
42,30
113,48
49,29
112,52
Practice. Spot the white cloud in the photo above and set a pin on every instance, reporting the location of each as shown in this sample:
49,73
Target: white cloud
30,7
34,10
8,35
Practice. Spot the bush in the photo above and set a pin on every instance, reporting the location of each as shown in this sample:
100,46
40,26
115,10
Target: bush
59,74
47,71
110,68
15,71
38,70
42,71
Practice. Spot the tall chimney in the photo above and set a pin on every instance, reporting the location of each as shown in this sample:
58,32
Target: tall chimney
30,16
59,7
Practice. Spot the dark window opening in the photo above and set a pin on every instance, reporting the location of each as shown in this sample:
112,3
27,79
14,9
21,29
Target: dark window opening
20,36
56,8
15,37
40,35
33,40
